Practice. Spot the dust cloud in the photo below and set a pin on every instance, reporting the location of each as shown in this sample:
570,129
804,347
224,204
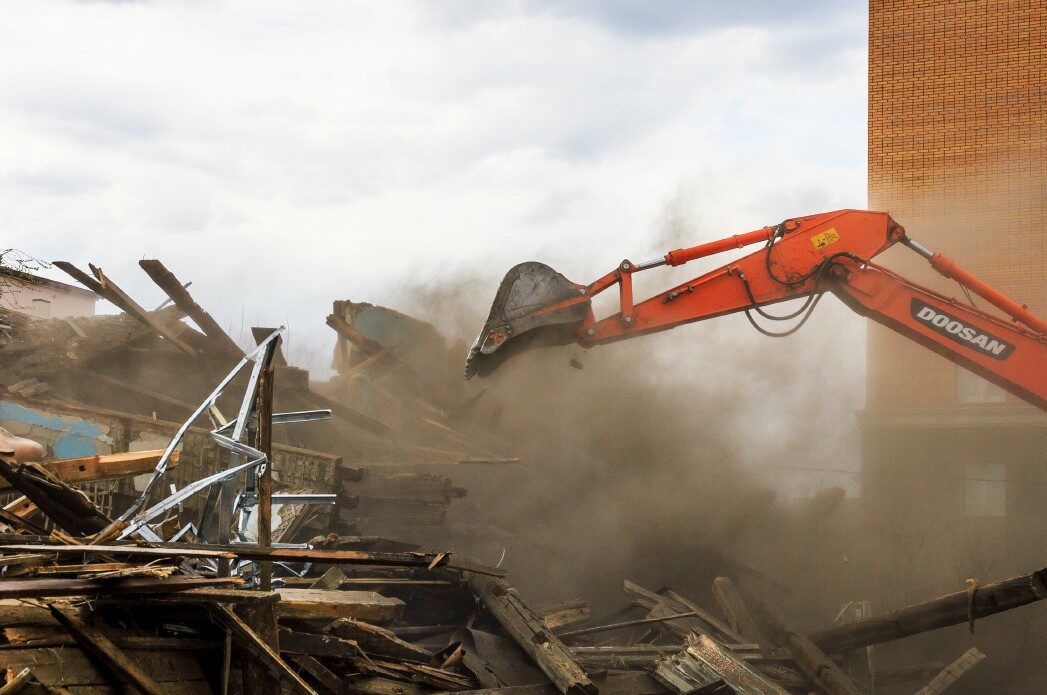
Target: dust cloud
711,450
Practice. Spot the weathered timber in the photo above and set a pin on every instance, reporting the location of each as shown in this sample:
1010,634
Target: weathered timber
668,606
627,623
261,618
10,542
92,284
376,685
253,644
308,643
36,588
737,612
953,672
95,642
527,628
377,640
565,614
101,467
68,508
811,660
937,613
317,603
329,683
65,670
167,281
168,331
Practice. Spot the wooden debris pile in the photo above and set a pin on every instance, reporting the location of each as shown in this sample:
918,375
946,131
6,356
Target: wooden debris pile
114,383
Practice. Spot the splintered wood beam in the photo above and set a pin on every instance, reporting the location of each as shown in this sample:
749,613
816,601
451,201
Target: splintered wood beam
252,643
167,281
527,629
68,508
737,612
101,467
953,672
953,609
37,588
329,683
91,284
135,309
361,341
812,661
98,645
317,603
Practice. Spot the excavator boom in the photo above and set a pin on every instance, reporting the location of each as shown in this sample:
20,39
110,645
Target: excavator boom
801,258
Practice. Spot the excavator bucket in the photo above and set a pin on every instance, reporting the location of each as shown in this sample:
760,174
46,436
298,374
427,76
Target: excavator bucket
521,307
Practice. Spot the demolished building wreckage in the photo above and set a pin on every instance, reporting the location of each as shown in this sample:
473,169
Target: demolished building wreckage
145,549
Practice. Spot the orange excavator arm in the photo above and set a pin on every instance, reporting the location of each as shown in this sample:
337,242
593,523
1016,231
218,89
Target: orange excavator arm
801,258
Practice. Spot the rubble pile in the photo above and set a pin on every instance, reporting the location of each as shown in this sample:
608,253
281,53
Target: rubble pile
179,518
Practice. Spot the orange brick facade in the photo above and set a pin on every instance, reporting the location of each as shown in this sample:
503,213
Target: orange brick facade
958,155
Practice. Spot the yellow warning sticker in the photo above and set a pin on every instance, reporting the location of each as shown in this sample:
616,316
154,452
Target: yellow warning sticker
827,237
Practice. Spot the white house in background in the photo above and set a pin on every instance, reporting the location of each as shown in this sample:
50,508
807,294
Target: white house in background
44,299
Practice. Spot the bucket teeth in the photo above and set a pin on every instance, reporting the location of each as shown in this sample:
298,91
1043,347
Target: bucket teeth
525,291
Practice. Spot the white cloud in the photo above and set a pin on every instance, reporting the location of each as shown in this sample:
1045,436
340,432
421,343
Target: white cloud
344,146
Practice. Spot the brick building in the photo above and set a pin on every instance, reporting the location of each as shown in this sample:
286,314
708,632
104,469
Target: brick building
958,155
954,470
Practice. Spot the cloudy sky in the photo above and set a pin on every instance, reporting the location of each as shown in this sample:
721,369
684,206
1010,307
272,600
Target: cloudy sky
355,149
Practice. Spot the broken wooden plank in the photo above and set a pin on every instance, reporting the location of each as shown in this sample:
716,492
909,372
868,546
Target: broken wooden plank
665,607
69,509
934,614
952,673
88,469
527,628
67,669
625,623
565,614
317,603
96,643
251,642
135,309
328,681
377,640
376,685
326,646
811,660
167,281
38,588
737,612
91,284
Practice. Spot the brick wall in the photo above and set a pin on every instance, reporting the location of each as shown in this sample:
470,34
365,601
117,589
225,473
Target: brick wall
958,155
